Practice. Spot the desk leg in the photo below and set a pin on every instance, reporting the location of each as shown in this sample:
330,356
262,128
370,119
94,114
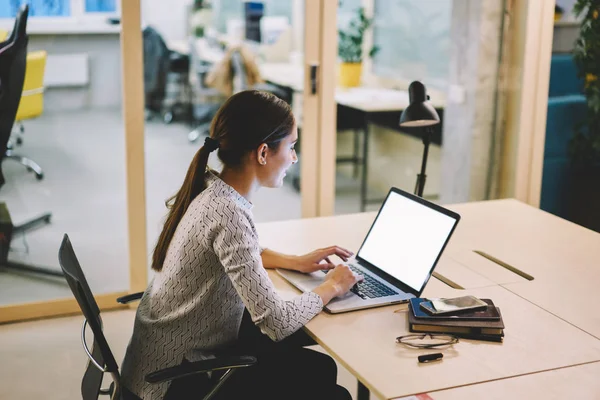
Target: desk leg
356,150
363,392
363,186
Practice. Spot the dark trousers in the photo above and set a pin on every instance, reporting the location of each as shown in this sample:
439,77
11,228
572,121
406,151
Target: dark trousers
285,370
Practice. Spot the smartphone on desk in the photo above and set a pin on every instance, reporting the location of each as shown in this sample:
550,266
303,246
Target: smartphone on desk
454,305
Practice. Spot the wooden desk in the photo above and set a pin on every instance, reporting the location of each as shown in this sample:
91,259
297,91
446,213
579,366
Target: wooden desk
563,258
578,382
364,343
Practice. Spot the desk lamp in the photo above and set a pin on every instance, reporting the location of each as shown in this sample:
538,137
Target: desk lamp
420,114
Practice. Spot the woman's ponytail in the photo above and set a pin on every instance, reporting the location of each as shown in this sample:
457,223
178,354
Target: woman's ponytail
193,184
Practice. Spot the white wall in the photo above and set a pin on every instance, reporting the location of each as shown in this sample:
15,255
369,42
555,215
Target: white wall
169,17
104,55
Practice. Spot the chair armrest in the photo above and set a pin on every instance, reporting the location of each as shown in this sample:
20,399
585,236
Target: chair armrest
198,367
130,297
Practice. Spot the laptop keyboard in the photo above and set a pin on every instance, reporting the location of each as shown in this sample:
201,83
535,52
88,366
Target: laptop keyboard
370,288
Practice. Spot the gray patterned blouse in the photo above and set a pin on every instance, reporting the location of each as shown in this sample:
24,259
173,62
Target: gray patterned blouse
213,269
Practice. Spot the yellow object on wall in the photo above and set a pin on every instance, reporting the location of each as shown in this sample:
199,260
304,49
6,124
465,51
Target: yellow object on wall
32,101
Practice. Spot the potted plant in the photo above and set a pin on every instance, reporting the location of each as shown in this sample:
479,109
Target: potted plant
201,17
585,144
350,49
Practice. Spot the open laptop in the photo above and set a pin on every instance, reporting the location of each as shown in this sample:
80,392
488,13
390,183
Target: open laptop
397,256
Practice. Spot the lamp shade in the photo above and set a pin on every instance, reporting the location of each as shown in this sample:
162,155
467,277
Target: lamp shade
419,113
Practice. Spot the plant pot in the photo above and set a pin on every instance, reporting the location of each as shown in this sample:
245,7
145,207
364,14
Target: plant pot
350,74
584,197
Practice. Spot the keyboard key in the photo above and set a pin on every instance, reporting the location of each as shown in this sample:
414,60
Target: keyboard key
370,287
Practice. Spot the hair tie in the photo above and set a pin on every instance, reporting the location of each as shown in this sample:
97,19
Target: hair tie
211,144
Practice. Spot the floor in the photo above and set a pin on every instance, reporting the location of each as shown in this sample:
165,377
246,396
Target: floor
83,157
44,359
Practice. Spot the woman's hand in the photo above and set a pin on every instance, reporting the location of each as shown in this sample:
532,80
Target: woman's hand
319,259
338,282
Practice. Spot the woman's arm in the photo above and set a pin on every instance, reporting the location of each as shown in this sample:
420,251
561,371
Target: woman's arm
273,259
311,262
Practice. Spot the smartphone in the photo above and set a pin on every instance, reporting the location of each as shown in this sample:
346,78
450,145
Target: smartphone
454,305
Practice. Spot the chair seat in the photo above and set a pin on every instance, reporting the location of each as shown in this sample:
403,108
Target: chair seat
179,63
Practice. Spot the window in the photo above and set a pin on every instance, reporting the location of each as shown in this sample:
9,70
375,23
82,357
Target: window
104,6
37,8
57,8
414,40
347,10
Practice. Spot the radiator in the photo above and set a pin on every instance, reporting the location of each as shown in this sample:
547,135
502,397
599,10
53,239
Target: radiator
67,70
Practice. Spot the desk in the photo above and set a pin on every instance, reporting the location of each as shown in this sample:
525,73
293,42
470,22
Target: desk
563,258
364,343
578,382
364,102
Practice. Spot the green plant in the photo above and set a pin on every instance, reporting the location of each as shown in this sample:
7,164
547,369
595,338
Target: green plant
350,45
585,144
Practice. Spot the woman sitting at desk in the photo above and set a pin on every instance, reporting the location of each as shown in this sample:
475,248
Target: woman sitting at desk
211,293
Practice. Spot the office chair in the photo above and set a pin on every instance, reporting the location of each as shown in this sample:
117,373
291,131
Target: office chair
13,56
166,78
31,106
101,359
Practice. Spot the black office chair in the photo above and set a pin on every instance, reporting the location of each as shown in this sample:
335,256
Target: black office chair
166,79
101,358
13,60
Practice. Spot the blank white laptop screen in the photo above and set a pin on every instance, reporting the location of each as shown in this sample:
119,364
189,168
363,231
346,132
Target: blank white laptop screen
406,239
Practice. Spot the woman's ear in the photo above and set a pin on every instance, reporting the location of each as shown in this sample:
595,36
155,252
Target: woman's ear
262,154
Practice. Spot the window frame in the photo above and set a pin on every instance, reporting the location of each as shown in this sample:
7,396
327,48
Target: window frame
80,21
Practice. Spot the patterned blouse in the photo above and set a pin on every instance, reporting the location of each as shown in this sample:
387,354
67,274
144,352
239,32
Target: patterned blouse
213,269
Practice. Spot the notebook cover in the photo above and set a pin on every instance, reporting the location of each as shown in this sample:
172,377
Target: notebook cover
491,313
458,323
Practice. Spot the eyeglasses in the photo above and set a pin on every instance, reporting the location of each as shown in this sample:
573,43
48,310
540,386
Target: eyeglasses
426,340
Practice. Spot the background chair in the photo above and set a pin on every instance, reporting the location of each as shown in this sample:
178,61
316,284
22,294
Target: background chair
101,359
13,56
166,78
31,106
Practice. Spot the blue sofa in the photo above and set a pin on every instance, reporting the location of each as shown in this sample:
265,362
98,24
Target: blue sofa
566,108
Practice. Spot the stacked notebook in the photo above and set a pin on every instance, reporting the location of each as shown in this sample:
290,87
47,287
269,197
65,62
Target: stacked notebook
480,325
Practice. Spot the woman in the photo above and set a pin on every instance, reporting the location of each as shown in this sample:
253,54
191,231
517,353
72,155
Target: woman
211,293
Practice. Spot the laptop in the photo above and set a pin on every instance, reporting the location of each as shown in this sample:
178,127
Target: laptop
397,256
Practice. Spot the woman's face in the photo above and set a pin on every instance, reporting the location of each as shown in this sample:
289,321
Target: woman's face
277,161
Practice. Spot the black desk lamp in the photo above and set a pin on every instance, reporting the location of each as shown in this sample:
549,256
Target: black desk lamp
420,114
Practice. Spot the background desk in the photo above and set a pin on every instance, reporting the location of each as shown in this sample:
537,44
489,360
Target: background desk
363,341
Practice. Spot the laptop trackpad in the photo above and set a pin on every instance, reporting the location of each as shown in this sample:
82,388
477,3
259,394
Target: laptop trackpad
307,282
304,282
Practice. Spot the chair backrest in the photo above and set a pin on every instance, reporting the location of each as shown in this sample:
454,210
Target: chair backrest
13,62
19,28
32,99
101,353
156,66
